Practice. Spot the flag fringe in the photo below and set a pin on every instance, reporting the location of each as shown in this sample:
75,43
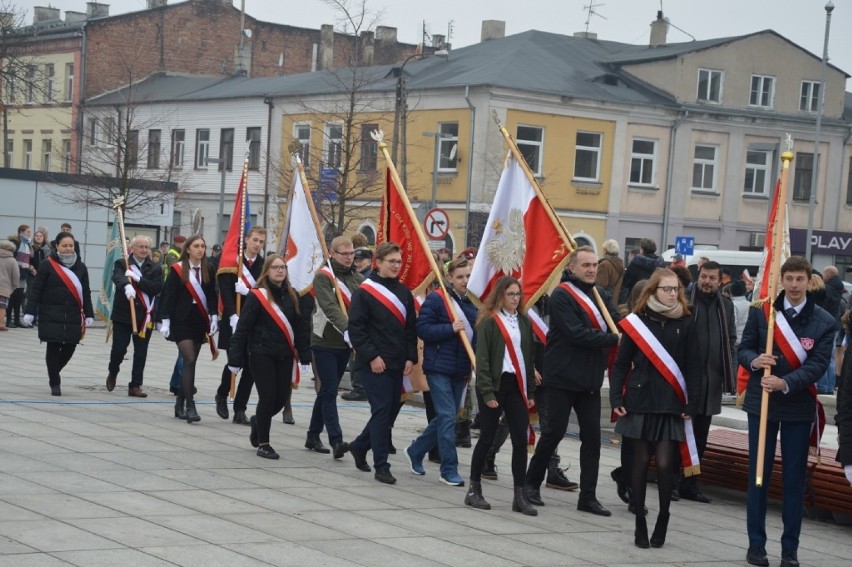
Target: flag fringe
692,471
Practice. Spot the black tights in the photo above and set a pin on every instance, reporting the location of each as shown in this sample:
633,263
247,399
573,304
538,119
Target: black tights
665,457
56,357
189,350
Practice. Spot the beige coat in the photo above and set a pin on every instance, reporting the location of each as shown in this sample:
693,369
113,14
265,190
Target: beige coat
9,272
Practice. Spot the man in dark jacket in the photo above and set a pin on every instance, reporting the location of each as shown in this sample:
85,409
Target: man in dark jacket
792,402
139,283
716,328
843,419
578,343
833,295
642,266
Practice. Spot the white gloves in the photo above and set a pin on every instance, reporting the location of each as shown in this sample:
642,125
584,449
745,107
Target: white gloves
132,275
847,470
233,321
305,368
165,328
89,322
241,288
346,338
129,291
214,324
234,369
28,320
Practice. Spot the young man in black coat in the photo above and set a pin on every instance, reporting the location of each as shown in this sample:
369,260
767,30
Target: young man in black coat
139,283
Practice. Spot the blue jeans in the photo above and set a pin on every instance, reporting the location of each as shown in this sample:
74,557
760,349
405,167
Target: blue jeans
383,392
446,396
177,373
330,364
825,385
794,463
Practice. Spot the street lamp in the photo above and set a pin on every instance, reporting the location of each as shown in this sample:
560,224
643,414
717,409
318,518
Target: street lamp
219,228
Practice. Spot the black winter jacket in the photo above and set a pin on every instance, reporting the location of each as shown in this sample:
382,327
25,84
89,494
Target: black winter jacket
843,419
375,331
58,312
640,268
647,391
815,329
176,302
151,284
576,353
227,292
443,352
258,333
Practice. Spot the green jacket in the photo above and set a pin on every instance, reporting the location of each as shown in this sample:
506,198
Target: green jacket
490,350
329,321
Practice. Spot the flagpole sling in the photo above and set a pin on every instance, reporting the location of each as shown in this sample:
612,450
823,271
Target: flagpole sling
241,244
119,218
378,136
566,236
774,275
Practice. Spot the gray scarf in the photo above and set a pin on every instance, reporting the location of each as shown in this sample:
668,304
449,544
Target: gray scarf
67,260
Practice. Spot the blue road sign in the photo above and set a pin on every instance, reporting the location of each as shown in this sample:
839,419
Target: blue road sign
685,245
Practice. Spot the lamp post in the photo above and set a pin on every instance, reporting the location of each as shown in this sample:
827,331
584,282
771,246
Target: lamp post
219,227
829,8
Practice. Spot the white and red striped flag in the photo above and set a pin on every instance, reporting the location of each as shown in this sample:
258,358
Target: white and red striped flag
303,249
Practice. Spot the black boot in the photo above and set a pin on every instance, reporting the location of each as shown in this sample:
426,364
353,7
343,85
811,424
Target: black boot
533,495
191,414
490,470
659,536
474,496
556,477
222,406
240,418
180,412
521,504
463,434
641,533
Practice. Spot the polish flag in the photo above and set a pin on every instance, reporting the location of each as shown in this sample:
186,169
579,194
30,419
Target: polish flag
761,282
520,240
303,249
240,224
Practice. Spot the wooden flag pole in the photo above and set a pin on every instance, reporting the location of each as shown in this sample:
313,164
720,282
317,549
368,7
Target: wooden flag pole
774,275
241,240
119,218
378,136
566,236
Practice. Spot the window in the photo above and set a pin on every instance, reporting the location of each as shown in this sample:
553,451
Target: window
804,176
530,141
809,101
756,173
66,156
709,85
31,83
587,157
28,154
92,131
10,152
69,81
302,133
333,145
448,143
11,87
762,91
369,148
848,184
226,149
48,82
154,149
108,132
202,147
253,140
133,149
642,162
46,150
178,139
704,168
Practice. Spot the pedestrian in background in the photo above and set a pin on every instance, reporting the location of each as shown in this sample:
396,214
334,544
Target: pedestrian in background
9,274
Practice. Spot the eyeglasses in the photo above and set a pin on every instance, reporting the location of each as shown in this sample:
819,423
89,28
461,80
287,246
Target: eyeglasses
352,253
278,267
513,294
669,288
393,262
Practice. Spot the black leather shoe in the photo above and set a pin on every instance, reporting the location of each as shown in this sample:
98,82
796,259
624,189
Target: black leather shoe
314,444
253,435
675,495
340,449
354,396
360,459
593,507
757,556
620,485
695,495
222,406
240,418
267,452
55,390
533,495
789,559
385,476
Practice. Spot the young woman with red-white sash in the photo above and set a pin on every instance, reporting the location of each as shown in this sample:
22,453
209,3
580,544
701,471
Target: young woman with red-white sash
505,380
189,317
60,295
273,339
649,391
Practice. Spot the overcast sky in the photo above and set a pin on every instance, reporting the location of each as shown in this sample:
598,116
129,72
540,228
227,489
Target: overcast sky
628,21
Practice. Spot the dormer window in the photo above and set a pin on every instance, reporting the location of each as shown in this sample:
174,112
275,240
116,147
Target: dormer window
709,86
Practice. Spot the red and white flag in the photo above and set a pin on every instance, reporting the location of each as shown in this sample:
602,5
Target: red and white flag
303,249
520,239
240,223
777,211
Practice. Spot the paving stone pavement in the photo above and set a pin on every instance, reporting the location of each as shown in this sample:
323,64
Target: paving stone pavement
97,478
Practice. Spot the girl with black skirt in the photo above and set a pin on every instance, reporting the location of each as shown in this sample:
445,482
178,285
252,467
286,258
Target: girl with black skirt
188,313
651,395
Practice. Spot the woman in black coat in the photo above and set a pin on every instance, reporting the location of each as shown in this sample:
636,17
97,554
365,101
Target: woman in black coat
651,413
273,356
188,321
60,295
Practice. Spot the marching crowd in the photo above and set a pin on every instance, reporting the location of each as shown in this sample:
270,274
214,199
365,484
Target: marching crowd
671,347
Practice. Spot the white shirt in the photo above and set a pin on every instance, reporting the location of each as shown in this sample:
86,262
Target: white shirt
515,335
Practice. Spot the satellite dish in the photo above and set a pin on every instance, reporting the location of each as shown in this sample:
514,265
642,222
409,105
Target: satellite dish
196,221
247,33
453,151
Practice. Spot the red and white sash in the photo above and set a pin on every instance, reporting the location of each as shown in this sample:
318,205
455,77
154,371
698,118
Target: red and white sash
668,368
344,291
144,299
455,311
540,328
247,276
274,311
193,286
515,353
75,288
587,304
384,296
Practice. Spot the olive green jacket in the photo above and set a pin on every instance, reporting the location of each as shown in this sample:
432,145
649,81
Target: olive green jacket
490,350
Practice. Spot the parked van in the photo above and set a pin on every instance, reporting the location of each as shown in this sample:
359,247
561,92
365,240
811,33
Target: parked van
733,262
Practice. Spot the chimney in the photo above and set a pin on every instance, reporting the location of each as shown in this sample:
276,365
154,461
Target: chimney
659,29
386,33
326,47
72,17
493,29
156,4
438,40
586,35
367,47
42,14
96,10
